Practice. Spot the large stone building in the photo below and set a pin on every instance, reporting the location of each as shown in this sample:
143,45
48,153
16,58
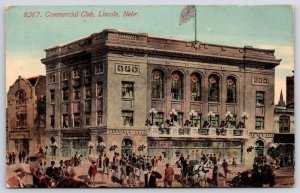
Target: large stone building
26,115
105,87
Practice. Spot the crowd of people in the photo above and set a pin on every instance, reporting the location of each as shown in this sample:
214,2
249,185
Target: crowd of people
11,158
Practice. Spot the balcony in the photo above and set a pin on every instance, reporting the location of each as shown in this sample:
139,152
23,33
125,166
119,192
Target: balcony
194,132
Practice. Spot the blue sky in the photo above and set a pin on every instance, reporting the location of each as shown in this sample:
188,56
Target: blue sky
270,27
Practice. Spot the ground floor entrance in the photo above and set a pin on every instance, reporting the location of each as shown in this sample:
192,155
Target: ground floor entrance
22,145
169,151
71,146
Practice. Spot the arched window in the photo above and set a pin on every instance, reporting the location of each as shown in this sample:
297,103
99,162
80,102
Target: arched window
20,97
213,88
195,87
284,124
231,89
157,84
177,86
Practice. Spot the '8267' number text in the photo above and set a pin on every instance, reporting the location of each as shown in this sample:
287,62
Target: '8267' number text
31,14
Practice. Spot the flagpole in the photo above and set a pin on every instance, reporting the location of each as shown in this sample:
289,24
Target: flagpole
195,24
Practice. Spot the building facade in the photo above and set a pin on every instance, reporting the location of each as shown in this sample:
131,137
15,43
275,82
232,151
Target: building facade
158,96
26,113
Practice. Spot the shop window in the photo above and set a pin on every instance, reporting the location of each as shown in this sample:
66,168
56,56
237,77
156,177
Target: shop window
127,118
127,89
231,89
195,87
157,84
177,86
213,88
259,123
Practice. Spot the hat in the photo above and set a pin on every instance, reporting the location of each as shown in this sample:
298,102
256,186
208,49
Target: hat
61,161
52,162
167,164
21,172
93,161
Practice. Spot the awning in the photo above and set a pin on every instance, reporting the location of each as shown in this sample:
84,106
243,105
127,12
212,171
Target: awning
284,138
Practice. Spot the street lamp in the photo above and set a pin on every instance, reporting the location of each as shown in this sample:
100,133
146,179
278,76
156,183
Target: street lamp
228,116
173,113
141,148
210,114
152,113
113,148
244,116
192,115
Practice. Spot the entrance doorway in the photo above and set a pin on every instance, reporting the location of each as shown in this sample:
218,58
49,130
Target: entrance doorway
22,145
127,146
259,148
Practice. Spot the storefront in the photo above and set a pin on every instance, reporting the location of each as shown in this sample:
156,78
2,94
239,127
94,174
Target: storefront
75,141
170,150
21,140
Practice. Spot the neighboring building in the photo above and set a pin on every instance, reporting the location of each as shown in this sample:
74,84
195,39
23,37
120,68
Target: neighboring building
290,91
102,88
284,132
26,115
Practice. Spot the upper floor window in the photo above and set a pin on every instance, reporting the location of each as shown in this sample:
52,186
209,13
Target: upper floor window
65,121
127,89
213,88
260,98
195,87
87,91
284,124
76,73
177,86
197,120
215,121
20,97
99,118
127,118
52,96
99,89
259,123
157,84
65,75
76,120
231,89
99,68
159,118
76,93
87,71
65,95
52,121
52,78
178,120
21,120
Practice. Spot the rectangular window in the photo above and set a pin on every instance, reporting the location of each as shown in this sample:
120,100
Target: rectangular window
76,73
87,71
76,120
127,118
178,120
52,96
22,120
215,121
52,121
65,121
87,119
99,89
159,118
87,91
88,106
259,123
76,93
260,98
98,68
99,104
52,79
197,120
99,118
65,75
232,120
65,95
127,89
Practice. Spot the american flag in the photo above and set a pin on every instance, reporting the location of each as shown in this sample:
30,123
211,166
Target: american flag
187,13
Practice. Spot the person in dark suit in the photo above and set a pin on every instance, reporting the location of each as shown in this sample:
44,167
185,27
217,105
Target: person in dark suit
150,178
50,170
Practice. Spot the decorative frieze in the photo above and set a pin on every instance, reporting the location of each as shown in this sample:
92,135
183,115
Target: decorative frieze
127,69
260,81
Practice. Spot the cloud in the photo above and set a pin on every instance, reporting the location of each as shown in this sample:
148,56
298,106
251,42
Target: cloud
26,65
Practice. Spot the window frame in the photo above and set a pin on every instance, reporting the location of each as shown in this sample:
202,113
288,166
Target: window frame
130,119
132,85
262,120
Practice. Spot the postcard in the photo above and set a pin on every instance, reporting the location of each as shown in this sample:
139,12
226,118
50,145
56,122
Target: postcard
150,96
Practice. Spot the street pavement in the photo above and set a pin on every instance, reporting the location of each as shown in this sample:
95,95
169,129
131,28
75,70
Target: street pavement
284,176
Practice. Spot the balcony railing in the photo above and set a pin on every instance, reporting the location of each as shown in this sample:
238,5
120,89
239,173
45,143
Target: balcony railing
194,132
